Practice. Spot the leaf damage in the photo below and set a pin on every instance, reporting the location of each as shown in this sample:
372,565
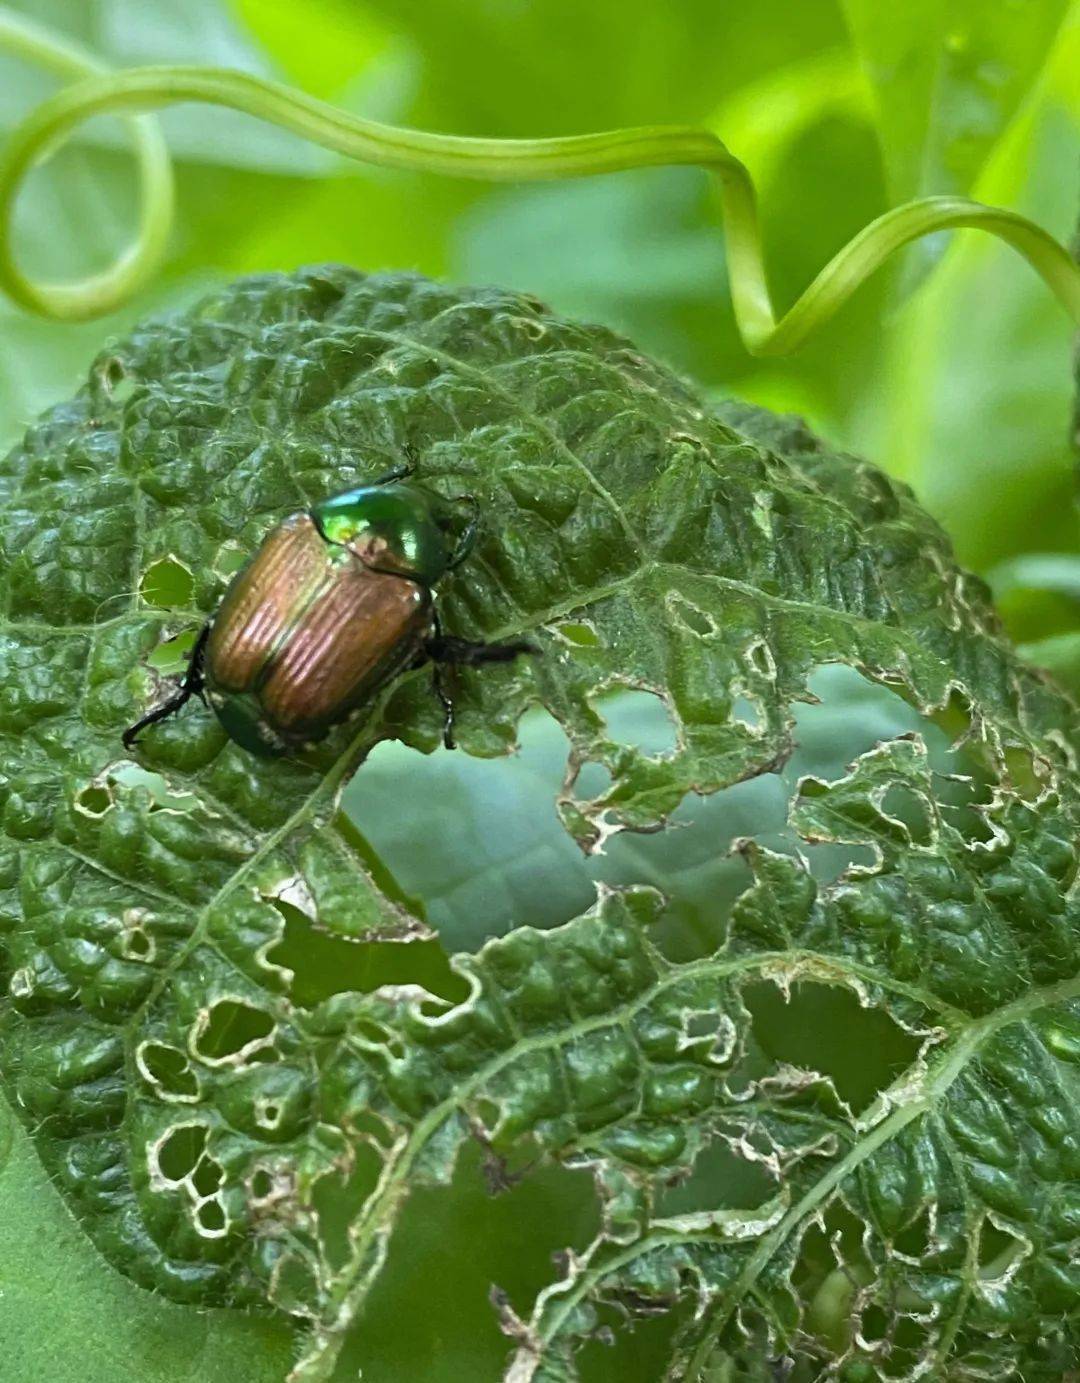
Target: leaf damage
202,1115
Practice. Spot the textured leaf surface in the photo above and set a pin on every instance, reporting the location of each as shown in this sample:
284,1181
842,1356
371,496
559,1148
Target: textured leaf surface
237,1117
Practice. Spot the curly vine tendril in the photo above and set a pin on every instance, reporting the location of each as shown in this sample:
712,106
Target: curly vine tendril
143,89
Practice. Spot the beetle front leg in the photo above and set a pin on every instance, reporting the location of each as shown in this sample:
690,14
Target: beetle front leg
191,684
399,472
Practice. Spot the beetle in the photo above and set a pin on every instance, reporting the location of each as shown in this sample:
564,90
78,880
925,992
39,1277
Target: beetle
337,600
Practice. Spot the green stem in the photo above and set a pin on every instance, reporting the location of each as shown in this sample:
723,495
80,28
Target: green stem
103,292
495,160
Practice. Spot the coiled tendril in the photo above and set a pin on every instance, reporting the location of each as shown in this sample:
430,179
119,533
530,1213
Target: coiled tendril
141,89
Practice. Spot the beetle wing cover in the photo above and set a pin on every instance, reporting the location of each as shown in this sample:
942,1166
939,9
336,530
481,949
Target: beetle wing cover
311,630
358,631
264,601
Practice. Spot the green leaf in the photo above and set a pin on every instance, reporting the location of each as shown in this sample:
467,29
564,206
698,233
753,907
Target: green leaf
979,399
948,78
1059,654
825,1096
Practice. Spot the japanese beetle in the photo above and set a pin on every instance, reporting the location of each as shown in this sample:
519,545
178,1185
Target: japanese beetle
336,601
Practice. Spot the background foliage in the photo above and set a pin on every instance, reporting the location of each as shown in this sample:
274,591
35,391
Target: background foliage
952,370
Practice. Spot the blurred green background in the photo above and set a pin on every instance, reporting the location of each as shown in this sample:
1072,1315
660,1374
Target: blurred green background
952,369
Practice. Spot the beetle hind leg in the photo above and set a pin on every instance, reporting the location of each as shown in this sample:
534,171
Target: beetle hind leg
191,684
467,653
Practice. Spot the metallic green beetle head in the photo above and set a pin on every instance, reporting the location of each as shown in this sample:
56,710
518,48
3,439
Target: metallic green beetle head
395,527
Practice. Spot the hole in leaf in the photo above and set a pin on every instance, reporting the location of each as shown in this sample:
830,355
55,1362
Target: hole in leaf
998,1251
592,781
367,1030
584,635
167,583
954,718
702,1024
829,1272
338,1201
172,655
230,560
262,1183
488,1113
268,1114
902,804
365,1123
116,379
296,1285
480,841
748,713
1023,771
759,656
639,718
208,1176
691,618
138,946
211,1218
720,1179
823,1028
511,1239
93,800
178,1155
169,1069
914,1239
132,776
323,964
230,1028
873,1323
907,1345
638,1349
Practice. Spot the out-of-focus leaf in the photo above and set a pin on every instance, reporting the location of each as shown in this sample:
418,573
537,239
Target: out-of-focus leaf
1040,571
980,374
1038,593
949,75
1060,655
324,46
124,33
641,253
66,1317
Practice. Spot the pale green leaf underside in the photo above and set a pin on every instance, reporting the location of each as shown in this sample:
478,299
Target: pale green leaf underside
231,1134
59,1303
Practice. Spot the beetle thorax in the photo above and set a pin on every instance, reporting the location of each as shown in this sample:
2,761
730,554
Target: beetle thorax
391,528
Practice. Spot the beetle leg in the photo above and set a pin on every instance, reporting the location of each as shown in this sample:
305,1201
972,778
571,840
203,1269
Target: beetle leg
444,650
399,472
191,684
467,541
445,700
466,653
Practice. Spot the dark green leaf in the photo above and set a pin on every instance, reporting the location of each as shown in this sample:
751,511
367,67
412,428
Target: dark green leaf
826,1101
